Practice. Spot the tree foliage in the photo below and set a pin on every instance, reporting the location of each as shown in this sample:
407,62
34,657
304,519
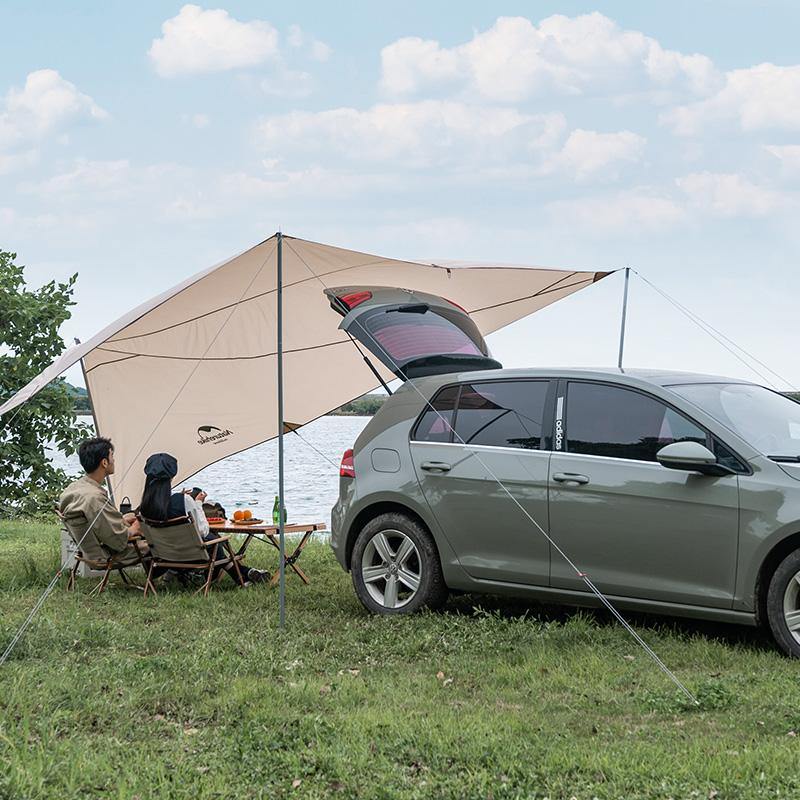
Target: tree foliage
29,342
365,406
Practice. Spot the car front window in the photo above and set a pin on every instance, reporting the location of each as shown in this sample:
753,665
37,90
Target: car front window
615,422
765,419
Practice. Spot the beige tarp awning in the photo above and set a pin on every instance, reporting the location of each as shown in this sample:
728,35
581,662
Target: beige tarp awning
192,372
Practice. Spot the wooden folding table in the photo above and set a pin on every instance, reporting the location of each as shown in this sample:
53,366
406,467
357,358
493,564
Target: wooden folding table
270,534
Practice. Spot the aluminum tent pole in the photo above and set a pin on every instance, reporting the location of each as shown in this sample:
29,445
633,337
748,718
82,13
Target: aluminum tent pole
282,544
624,316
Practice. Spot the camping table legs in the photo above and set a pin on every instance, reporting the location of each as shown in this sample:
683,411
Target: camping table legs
290,561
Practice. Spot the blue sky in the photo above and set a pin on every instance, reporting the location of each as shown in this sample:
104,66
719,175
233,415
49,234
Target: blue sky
142,142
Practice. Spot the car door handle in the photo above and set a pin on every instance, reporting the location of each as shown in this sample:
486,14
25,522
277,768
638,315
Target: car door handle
435,466
570,477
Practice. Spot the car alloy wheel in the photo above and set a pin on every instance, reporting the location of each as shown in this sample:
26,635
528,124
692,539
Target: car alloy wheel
791,607
391,568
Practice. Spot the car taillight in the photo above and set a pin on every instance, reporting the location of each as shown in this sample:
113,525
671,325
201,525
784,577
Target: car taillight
355,298
347,468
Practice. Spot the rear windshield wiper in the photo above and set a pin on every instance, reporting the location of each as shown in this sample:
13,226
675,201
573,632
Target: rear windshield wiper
785,459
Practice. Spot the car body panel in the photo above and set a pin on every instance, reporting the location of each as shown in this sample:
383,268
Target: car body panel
400,489
680,535
648,573
492,535
769,513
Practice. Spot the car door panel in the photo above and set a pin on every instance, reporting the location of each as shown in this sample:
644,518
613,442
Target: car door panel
642,530
636,528
485,476
492,535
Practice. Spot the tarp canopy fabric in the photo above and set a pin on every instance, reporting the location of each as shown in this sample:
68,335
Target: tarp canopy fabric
192,372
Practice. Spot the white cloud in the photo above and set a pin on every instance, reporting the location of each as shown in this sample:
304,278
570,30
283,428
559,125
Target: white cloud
729,195
758,98
298,38
515,59
320,51
46,105
633,211
586,153
201,120
411,63
788,155
473,140
288,83
422,134
198,40
85,176
18,161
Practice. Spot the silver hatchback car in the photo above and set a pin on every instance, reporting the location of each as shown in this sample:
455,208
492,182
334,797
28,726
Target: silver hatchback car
675,493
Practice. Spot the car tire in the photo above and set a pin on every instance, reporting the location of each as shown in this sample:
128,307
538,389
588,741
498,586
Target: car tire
395,566
783,597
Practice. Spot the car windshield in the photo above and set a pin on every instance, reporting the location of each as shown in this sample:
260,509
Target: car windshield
767,420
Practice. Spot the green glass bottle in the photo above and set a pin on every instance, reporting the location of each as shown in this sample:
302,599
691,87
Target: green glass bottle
276,511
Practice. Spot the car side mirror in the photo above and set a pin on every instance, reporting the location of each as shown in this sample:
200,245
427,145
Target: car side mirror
692,457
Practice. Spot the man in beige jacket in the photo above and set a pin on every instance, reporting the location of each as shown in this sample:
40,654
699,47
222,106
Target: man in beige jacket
90,516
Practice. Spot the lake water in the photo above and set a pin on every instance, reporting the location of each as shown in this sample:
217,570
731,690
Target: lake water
250,479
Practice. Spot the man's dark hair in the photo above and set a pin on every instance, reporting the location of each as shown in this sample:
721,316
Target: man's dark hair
93,451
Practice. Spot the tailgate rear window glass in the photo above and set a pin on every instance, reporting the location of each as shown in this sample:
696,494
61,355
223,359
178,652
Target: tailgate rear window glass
407,337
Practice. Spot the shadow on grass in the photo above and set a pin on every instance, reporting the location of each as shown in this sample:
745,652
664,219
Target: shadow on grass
731,634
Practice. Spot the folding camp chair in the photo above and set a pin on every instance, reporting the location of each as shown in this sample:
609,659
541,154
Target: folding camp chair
175,544
96,557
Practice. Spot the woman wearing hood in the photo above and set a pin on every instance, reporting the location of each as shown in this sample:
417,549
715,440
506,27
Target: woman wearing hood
160,503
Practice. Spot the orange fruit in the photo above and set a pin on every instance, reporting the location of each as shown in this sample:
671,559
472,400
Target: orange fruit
248,514
238,516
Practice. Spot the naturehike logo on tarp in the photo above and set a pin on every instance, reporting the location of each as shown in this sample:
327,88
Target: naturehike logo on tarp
209,434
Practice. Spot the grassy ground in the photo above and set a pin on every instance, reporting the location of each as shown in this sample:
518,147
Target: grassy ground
120,697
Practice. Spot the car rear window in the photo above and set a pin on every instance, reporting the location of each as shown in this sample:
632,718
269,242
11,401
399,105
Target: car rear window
435,423
502,414
407,336
496,413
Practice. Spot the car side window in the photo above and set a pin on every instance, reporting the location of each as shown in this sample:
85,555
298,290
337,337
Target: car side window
435,424
613,421
502,414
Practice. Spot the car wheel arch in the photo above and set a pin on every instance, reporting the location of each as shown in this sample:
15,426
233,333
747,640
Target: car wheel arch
767,569
375,510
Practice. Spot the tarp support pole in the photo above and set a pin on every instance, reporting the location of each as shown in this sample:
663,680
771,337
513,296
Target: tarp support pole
624,316
282,544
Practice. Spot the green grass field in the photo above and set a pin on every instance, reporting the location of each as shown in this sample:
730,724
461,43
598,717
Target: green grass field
176,696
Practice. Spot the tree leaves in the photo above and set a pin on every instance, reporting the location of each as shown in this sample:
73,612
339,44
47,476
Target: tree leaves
29,342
